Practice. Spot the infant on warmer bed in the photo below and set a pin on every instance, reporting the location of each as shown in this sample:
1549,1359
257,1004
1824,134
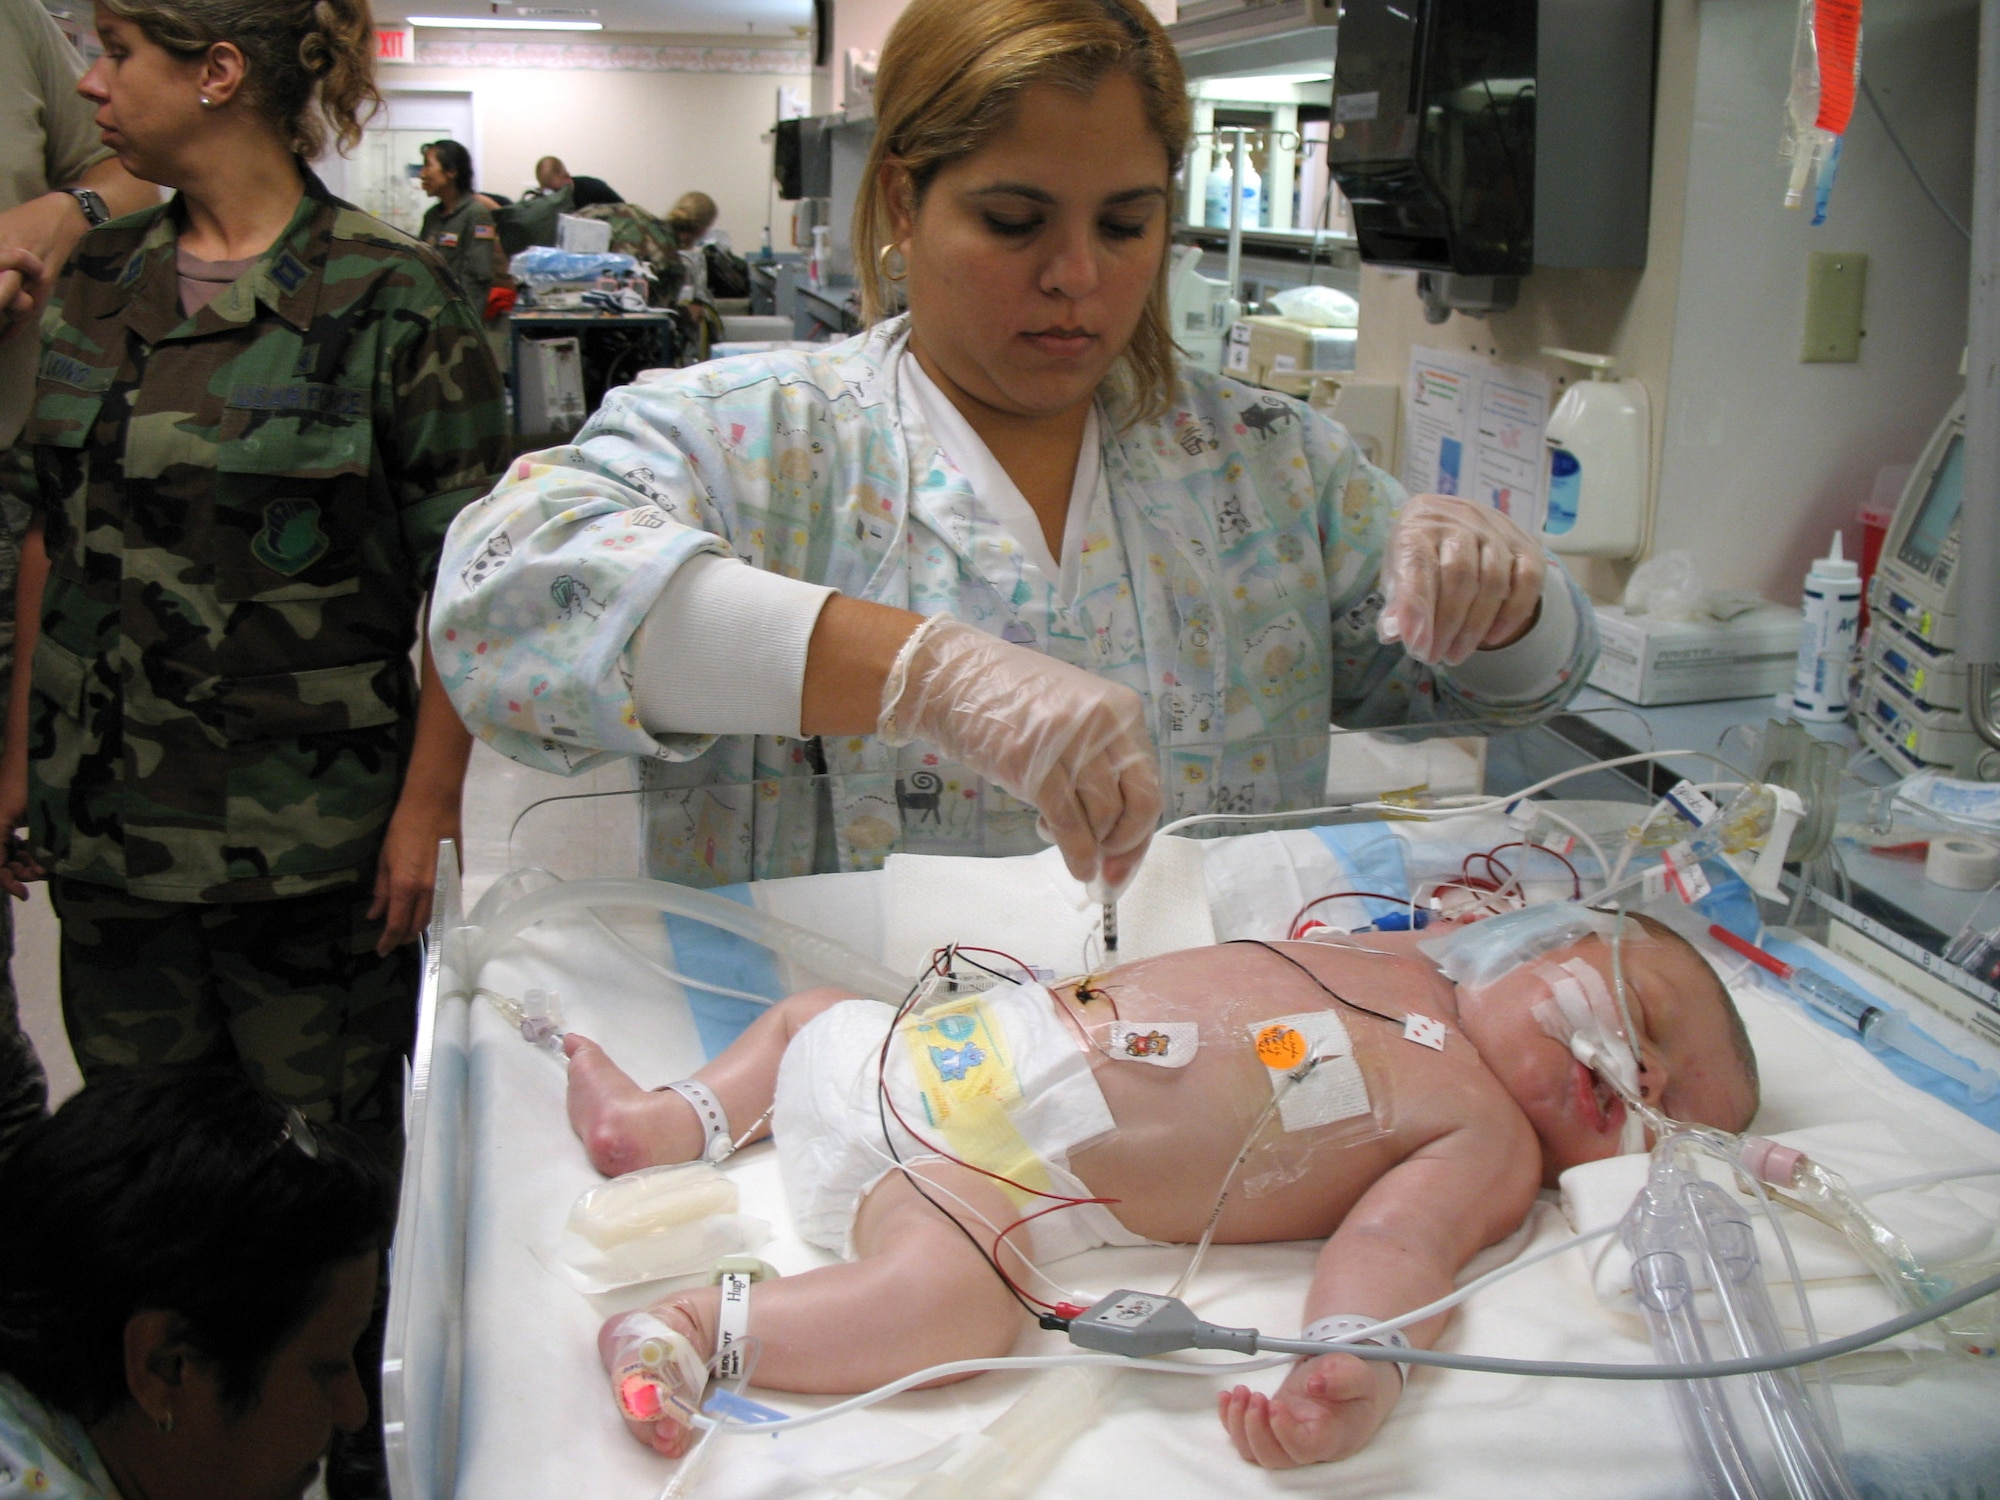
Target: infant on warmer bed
1405,1120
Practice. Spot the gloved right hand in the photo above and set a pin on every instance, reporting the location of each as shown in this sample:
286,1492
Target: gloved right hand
1053,735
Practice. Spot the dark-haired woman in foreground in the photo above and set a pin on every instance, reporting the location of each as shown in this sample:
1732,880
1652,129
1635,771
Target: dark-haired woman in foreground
185,1269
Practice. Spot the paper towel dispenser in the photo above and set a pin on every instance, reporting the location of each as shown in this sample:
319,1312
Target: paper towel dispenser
1478,139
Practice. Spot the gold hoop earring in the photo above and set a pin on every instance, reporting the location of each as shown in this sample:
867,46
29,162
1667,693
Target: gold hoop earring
882,263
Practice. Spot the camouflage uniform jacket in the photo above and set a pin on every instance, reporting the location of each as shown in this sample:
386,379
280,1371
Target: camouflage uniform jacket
242,511
468,244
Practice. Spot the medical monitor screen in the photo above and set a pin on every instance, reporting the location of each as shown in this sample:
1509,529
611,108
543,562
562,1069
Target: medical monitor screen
1938,512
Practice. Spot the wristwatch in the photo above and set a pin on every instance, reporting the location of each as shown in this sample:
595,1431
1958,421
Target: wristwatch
91,204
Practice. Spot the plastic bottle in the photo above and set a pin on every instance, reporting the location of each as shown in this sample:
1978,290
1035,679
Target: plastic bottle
1253,196
1832,610
816,258
1215,195
1600,462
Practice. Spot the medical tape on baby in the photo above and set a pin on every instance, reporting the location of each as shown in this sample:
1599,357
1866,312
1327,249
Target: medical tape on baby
966,1085
1332,1330
1333,1089
1584,1018
656,1372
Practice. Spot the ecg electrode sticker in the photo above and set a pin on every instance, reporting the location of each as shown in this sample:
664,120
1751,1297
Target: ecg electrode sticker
1163,1044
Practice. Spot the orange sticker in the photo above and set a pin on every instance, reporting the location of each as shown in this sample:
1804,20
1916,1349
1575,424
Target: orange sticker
1280,1048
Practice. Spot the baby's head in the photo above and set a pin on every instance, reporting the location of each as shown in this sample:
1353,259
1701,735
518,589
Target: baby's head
1694,1059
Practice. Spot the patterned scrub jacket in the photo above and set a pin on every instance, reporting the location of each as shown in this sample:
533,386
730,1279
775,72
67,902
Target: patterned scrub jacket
1228,574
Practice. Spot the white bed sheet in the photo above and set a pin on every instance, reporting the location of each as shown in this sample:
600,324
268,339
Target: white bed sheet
536,1421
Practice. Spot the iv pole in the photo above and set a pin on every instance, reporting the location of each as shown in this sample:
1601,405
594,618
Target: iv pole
1979,549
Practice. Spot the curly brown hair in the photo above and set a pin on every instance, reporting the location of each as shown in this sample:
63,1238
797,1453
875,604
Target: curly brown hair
310,63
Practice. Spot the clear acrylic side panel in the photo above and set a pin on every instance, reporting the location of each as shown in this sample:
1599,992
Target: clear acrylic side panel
708,823
422,1349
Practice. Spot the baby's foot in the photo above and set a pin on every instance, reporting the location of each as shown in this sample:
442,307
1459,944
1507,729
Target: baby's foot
622,1126
657,1373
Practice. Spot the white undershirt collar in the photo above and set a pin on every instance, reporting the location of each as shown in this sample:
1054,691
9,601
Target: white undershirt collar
990,483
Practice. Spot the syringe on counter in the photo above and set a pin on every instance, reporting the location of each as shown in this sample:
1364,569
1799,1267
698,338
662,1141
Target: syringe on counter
1880,1027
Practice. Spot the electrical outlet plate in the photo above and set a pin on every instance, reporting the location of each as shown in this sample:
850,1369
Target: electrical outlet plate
1835,283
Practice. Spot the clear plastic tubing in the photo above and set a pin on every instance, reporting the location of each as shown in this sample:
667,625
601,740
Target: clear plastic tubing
1654,1232
1880,1027
1020,1445
834,962
1812,1467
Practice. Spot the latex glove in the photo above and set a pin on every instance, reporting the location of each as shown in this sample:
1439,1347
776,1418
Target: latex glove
1456,577
1053,735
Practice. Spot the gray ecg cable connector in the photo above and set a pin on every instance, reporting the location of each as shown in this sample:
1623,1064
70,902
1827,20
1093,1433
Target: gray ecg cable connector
1139,1324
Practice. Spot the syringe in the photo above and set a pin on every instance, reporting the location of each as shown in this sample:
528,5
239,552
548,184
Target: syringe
1880,1027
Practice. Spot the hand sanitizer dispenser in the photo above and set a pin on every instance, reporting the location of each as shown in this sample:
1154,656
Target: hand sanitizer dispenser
1600,442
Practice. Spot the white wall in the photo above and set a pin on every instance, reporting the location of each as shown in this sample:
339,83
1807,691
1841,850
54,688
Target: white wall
652,136
1762,452
1758,456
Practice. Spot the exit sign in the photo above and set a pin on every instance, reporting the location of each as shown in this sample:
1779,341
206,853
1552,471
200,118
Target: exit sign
395,44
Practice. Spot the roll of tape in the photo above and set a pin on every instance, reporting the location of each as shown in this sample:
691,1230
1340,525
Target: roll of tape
1962,864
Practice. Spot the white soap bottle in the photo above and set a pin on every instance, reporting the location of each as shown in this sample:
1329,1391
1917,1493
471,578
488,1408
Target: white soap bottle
1832,608
1600,450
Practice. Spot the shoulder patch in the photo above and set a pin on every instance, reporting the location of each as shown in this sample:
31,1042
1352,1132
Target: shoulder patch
482,231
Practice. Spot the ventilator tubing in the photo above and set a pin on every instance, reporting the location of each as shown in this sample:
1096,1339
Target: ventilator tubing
1017,1447
1679,1223
831,961
1825,1195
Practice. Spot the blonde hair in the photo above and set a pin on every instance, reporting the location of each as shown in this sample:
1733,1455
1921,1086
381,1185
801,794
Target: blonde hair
692,216
951,74
310,63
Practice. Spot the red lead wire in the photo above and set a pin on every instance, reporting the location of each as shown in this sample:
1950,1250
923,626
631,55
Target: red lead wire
1750,951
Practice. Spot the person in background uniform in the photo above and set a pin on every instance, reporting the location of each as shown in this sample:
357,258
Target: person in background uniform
257,412
56,180
185,1268
459,226
585,191
692,217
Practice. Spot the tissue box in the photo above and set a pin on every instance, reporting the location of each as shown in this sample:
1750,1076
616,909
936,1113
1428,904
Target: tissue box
1648,661
1261,346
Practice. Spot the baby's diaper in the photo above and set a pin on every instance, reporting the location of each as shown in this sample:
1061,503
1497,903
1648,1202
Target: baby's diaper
1010,1047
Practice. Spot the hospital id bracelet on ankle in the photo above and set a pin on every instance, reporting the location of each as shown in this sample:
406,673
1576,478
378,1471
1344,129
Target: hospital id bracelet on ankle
1328,1329
734,1274
718,1145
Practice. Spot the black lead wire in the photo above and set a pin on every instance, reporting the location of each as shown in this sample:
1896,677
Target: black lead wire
889,1140
1351,1005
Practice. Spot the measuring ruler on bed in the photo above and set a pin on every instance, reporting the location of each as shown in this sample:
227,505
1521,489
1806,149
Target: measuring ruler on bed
1957,995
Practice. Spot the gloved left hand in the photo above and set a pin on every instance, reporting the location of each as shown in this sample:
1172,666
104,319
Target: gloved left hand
1456,577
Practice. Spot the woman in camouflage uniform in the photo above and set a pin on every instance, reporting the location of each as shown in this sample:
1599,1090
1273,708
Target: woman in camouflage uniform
459,226
257,411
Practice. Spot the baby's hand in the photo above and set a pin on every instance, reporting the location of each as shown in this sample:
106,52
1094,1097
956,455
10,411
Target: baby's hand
1328,1408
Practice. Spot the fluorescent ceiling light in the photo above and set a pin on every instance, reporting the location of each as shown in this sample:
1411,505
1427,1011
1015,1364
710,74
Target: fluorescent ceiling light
481,23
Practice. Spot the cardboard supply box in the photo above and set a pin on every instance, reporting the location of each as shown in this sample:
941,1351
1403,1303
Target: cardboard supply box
1261,346
1649,662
